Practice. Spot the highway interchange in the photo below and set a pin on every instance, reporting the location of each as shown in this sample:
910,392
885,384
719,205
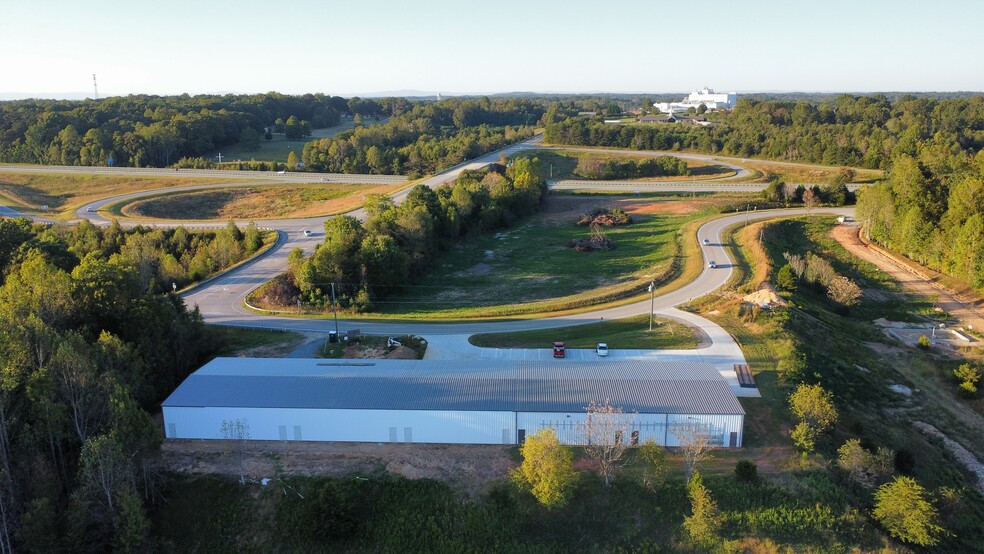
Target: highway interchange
221,299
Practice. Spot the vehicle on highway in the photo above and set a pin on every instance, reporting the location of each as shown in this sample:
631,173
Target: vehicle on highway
90,209
282,172
602,349
325,179
706,242
712,264
559,351
307,233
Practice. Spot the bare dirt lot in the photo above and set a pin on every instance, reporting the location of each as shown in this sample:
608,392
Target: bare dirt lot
917,282
471,468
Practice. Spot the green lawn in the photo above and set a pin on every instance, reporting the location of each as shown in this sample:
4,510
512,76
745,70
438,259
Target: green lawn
515,271
560,164
236,340
629,333
279,147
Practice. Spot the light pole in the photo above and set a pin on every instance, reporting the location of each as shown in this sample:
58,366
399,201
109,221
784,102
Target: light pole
934,331
652,302
334,309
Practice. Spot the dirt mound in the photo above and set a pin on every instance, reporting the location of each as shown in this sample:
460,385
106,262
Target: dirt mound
604,217
766,297
402,353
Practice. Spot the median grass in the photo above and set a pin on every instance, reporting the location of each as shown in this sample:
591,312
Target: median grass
63,194
628,333
253,202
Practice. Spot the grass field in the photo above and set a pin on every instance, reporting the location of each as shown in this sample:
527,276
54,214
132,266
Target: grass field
629,333
240,341
63,194
560,164
278,148
763,171
529,269
254,202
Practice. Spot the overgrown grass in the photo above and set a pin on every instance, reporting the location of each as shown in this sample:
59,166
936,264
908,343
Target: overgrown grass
252,202
63,194
631,333
237,340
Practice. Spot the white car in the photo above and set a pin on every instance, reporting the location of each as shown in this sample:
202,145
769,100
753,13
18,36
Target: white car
602,349
306,232
712,264
707,242
90,209
282,172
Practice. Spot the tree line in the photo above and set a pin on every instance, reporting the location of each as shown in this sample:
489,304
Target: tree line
371,261
89,346
151,131
427,138
860,131
660,166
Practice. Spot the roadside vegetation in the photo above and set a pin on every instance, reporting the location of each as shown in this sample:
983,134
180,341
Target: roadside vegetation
253,202
573,164
819,352
63,194
631,332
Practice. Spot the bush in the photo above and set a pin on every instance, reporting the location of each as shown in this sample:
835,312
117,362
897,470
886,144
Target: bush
746,471
786,278
923,342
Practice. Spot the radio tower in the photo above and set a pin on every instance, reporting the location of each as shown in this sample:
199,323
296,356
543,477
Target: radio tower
94,87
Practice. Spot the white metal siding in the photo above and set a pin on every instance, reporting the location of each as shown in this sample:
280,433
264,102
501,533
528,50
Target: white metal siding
655,426
345,425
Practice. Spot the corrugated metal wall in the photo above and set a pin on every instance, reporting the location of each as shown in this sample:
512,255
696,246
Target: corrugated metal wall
445,427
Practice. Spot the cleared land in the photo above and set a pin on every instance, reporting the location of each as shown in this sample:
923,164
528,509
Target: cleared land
63,194
629,333
564,163
255,202
278,148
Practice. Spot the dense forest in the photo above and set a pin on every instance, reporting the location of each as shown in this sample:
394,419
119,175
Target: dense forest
865,131
428,138
89,346
370,261
152,131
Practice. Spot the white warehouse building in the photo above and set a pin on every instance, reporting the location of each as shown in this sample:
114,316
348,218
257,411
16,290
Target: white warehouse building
705,96
448,401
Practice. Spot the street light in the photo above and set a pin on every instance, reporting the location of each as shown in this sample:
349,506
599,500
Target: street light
934,331
652,302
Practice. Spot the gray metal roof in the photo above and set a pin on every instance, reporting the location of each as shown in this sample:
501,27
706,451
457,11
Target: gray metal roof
469,385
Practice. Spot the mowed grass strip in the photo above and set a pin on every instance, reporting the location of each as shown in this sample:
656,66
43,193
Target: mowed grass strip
629,333
254,202
63,194
763,171
564,163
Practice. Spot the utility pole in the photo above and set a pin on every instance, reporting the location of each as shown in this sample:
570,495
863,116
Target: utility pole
95,89
652,302
334,308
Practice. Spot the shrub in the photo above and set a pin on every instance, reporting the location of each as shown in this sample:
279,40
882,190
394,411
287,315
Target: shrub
923,342
786,278
747,471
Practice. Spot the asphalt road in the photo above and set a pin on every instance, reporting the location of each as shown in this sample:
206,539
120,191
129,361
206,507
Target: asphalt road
272,176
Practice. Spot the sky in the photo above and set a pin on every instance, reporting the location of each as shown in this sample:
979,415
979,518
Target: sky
53,47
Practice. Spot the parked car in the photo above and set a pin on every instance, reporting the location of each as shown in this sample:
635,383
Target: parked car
559,350
601,349
712,264
707,242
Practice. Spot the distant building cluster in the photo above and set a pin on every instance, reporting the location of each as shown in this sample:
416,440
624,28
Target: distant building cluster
706,96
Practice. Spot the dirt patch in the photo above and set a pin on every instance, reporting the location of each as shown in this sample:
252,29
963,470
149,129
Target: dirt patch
403,353
472,468
279,350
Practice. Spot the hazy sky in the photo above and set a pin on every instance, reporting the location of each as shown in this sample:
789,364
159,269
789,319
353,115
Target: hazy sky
363,46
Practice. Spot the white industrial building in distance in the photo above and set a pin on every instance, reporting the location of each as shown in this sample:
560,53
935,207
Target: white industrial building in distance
449,401
705,96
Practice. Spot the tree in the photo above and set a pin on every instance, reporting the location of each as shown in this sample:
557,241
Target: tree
968,376
863,466
786,279
249,140
603,432
695,443
810,200
844,291
814,407
547,469
654,457
237,432
902,508
292,160
704,522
